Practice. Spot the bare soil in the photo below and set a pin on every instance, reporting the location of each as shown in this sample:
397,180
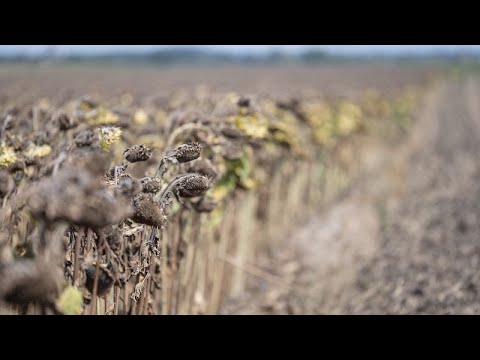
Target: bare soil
63,82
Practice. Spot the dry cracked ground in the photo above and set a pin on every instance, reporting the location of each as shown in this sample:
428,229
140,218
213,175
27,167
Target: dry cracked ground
405,239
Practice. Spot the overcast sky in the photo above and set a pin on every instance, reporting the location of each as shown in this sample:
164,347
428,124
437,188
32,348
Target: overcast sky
339,49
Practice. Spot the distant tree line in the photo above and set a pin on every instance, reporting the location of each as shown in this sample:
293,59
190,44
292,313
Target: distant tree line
198,56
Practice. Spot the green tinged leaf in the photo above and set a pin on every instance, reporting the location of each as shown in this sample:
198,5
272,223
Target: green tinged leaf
70,302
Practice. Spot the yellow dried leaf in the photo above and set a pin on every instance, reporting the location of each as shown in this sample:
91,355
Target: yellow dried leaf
160,117
102,116
7,156
71,301
109,135
140,117
216,217
153,141
43,104
38,151
252,125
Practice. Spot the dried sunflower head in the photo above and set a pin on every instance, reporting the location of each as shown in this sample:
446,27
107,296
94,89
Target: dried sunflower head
186,152
193,186
87,138
65,122
105,279
243,102
128,185
151,185
77,196
147,212
137,153
30,281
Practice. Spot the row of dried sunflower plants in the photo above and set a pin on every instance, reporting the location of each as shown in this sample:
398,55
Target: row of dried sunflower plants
118,207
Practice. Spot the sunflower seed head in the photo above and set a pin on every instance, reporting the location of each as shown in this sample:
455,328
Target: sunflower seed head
65,122
147,212
30,281
87,138
128,185
187,152
78,196
195,185
137,153
151,185
105,281
243,102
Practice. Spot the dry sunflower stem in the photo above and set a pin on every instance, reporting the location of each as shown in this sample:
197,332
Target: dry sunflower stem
7,183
